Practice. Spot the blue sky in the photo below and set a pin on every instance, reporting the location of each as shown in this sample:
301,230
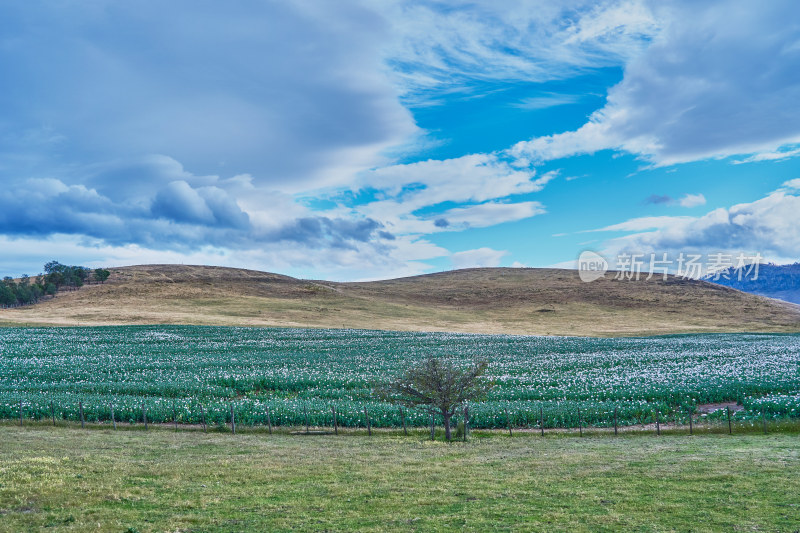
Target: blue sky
364,139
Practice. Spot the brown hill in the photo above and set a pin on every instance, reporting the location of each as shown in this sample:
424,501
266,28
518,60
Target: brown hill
485,300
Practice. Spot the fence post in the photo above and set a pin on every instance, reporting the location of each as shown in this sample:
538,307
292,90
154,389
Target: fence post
433,428
730,426
508,421
144,416
174,417
113,420
20,412
80,409
369,426
658,424
764,419
305,413
403,421
615,420
335,422
269,421
541,419
53,412
580,425
203,417
691,417
466,422
233,421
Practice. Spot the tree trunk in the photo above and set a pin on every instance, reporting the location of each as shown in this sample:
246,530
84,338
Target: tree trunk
446,417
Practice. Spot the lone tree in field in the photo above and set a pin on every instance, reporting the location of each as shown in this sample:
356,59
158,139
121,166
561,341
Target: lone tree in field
439,386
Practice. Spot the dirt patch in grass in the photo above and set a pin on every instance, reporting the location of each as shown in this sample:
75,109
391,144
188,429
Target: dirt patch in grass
708,408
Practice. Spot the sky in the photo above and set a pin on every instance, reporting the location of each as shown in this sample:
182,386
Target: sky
358,140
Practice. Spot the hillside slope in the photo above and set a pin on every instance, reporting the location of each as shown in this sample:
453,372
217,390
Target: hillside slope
490,300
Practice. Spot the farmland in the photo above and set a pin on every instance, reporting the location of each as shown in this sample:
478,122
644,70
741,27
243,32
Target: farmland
176,371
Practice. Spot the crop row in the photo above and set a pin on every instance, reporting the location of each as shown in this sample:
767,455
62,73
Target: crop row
352,414
294,371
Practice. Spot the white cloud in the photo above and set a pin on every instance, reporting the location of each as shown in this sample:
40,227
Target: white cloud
480,257
769,156
448,46
792,184
479,179
708,86
644,223
365,262
769,226
592,137
544,102
613,25
692,200
470,178
490,213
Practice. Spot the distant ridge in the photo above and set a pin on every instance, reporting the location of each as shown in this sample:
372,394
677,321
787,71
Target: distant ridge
774,281
481,300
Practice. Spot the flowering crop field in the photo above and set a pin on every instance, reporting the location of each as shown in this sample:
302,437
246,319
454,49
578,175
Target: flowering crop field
174,370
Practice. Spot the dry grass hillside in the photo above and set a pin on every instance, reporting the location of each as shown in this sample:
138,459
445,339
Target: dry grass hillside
487,300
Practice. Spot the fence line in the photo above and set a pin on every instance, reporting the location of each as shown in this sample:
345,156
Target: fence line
94,413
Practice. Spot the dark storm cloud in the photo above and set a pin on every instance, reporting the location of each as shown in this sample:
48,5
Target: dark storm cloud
324,231
179,216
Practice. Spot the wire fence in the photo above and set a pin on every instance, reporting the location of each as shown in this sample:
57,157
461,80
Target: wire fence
299,416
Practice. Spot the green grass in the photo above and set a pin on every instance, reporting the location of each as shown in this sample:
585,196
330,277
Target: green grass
65,479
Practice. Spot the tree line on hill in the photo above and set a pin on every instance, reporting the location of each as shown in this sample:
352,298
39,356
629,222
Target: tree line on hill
55,277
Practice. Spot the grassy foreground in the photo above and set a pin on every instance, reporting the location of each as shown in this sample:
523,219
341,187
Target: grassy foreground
100,480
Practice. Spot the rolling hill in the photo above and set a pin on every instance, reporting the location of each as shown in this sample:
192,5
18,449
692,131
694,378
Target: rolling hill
484,300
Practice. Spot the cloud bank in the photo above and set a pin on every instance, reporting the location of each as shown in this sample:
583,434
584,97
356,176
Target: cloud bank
768,226
709,86
282,133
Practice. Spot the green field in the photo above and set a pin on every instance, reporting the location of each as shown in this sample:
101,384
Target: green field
174,370
65,479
